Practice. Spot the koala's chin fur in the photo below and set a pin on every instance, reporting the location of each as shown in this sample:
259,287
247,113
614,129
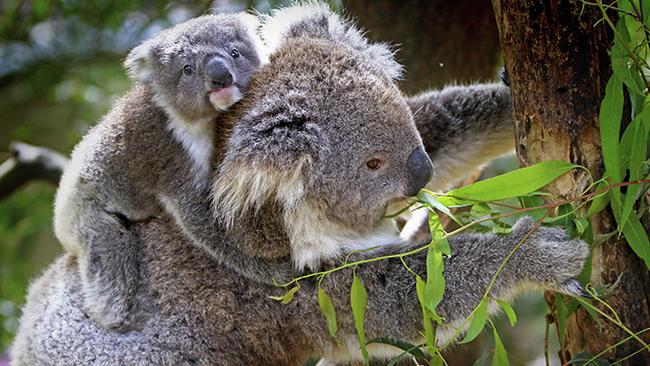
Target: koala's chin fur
291,165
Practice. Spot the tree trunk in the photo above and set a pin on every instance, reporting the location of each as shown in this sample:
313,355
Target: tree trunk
558,67
438,41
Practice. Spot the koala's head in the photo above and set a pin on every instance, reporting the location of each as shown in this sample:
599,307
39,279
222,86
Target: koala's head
200,67
325,133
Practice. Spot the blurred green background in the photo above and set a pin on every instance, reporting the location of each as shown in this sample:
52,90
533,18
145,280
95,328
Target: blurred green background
60,71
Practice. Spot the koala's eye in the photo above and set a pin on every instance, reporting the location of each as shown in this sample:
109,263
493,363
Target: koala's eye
234,53
374,164
188,70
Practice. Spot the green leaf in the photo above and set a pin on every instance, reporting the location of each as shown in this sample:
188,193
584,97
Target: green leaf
611,110
327,309
598,203
512,184
581,224
533,201
637,238
500,357
287,297
358,302
478,322
429,334
443,244
510,312
434,288
432,201
637,154
622,64
403,345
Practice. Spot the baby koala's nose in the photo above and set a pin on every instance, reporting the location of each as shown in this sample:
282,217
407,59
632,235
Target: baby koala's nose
219,73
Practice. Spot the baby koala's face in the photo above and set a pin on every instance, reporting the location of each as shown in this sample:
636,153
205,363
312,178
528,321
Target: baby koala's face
200,67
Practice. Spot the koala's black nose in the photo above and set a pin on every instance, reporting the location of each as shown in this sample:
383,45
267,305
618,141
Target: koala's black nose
420,171
219,73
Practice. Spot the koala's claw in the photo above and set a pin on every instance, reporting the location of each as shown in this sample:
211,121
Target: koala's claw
574,288
504,76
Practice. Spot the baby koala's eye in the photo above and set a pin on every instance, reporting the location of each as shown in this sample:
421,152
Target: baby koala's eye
188,70
234,53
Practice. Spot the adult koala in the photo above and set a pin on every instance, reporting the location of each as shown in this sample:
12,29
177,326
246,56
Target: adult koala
321,143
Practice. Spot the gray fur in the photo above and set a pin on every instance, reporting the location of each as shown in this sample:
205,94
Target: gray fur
156,139
297,126
463,127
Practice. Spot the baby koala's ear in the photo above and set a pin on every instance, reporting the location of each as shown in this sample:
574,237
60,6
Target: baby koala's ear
138,63
252,24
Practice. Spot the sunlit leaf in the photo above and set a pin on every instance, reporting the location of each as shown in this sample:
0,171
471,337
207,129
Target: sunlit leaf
327,309
478,322
500,357
433,202
434,288
287,297
512,184
509,311
358,302
429,336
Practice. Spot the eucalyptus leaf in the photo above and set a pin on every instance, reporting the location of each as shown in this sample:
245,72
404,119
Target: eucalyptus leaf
500,357
429,336
327,309
478,322
512,184
287,297
509,311
358,302
637,238
434,288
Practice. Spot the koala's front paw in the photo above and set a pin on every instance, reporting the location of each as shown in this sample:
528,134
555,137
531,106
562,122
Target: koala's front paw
553,259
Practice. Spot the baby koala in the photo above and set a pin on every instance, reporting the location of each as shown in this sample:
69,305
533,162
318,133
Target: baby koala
151,152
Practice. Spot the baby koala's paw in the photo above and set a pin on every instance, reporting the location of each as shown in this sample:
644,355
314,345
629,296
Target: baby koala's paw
553,259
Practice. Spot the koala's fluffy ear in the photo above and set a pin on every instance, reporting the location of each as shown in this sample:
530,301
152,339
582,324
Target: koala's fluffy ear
270,154
319,21
138,63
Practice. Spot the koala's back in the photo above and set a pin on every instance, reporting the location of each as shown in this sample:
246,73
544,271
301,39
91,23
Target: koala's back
117,165
198,313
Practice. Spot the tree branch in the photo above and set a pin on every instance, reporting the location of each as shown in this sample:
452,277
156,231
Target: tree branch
29,163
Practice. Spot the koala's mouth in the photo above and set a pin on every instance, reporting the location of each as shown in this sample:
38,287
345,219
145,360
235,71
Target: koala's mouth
222,99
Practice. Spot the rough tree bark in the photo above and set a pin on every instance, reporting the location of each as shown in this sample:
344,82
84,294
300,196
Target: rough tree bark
558,67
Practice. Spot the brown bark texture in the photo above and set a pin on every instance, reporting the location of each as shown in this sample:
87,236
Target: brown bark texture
438,41
558,66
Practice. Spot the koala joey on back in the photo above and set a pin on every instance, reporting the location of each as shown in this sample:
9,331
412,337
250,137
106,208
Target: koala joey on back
158,138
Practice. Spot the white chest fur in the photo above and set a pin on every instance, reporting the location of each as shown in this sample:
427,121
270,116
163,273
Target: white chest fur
196,138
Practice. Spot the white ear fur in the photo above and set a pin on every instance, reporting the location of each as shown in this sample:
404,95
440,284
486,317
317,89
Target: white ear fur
137,63
317,20
253,24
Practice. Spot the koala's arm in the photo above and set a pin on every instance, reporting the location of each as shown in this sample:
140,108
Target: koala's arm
190,204
548,259
95,204
463,127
